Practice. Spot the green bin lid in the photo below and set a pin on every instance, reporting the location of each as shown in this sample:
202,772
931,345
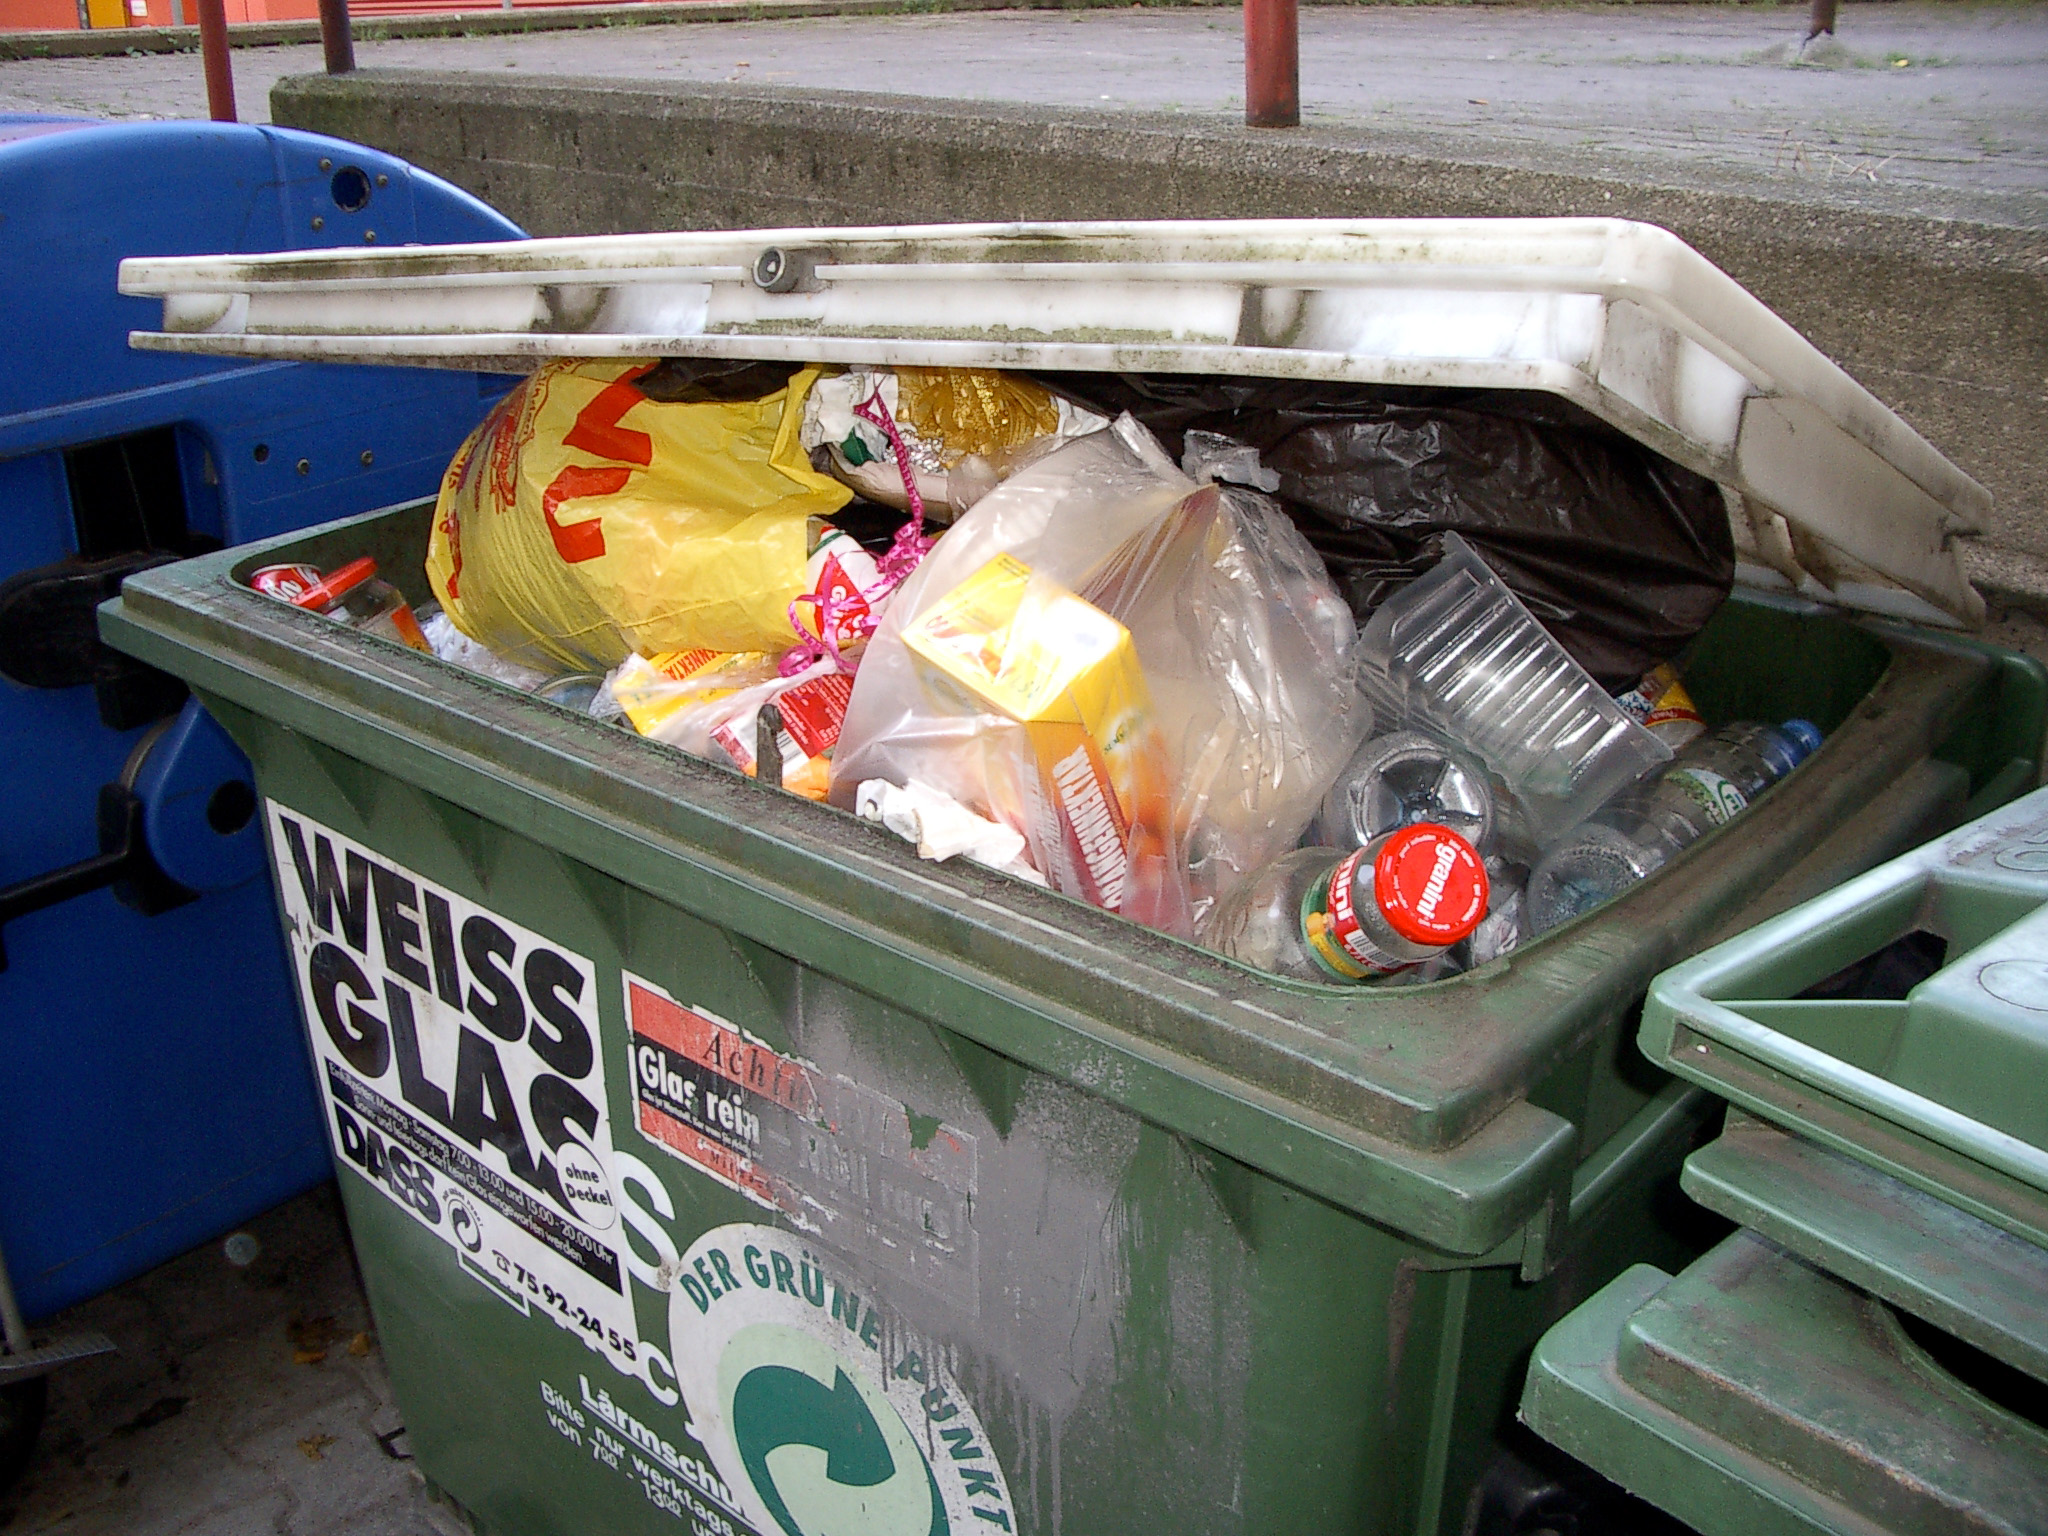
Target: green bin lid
1942,1088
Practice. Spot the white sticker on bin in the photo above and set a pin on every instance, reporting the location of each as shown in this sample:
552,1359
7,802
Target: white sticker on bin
458,1060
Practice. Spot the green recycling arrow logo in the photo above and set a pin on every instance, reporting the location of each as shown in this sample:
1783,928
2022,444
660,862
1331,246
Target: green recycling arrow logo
822,1414
828,1455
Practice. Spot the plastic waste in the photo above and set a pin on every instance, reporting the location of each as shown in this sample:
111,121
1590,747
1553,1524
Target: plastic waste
1319,914
353,593
1622,554
1100,603
609,507
942,828
453,646
1502,929
846,589
1660,704
285,582
1212,456
709,704
571,690
1709,784
800,723
1456,651
1402,778
934,440
1094,794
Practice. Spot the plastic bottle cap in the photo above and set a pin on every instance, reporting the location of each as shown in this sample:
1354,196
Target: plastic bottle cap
337,584
1430,884
1804,735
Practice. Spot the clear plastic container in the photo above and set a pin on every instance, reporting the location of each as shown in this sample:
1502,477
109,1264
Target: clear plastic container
1457,651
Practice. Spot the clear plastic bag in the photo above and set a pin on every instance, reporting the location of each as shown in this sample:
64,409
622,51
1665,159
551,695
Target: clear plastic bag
709,703
1226,733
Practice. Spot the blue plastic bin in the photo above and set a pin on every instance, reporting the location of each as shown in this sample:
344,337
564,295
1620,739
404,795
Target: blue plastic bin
154,1090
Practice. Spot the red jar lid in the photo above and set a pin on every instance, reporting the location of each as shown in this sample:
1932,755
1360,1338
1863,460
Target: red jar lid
1430,884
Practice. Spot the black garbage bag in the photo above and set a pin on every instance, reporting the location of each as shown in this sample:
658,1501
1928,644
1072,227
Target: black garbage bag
1621,553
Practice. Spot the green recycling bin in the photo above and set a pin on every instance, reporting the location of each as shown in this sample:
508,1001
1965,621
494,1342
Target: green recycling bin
1871,1352
717,1165
712,1159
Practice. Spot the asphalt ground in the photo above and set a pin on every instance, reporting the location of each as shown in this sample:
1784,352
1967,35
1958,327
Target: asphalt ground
1922,108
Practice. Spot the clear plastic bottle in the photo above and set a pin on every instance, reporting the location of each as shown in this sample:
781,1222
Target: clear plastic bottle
1501,929
1404,778
1320,914
1708,785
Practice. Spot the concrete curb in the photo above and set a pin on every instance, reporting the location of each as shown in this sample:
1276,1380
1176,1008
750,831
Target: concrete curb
568,18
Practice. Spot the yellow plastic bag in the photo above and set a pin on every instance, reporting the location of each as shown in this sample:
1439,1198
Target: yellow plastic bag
583,521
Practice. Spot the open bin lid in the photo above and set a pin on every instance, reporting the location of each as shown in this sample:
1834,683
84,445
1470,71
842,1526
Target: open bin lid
1832,492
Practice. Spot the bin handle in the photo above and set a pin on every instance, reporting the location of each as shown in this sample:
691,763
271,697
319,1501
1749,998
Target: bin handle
124,858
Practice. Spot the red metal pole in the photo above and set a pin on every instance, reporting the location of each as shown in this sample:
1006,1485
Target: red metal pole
335,39
1272,64
213,48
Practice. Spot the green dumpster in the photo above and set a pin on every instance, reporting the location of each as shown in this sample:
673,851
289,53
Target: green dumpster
1871,1352
1122,1235
717,1165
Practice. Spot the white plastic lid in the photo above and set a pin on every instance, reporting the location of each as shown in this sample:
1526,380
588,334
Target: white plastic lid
1831,492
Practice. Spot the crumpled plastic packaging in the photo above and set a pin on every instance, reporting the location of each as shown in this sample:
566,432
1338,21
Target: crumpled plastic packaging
452,645
605,507
1244,650
1622,554
709,705
942,828
963,430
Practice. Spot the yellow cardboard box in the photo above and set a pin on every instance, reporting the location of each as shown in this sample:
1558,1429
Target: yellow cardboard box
1029,648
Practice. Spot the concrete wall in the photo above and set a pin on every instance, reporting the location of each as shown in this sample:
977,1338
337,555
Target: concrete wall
1946,320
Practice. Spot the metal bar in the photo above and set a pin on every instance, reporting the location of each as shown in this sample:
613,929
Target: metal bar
336,41
213,48
1272,64
12,1329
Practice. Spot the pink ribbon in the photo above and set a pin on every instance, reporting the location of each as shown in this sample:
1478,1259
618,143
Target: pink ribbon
893,565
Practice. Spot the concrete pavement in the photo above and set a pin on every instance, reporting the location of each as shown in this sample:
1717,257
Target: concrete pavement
1932,109
244,1401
